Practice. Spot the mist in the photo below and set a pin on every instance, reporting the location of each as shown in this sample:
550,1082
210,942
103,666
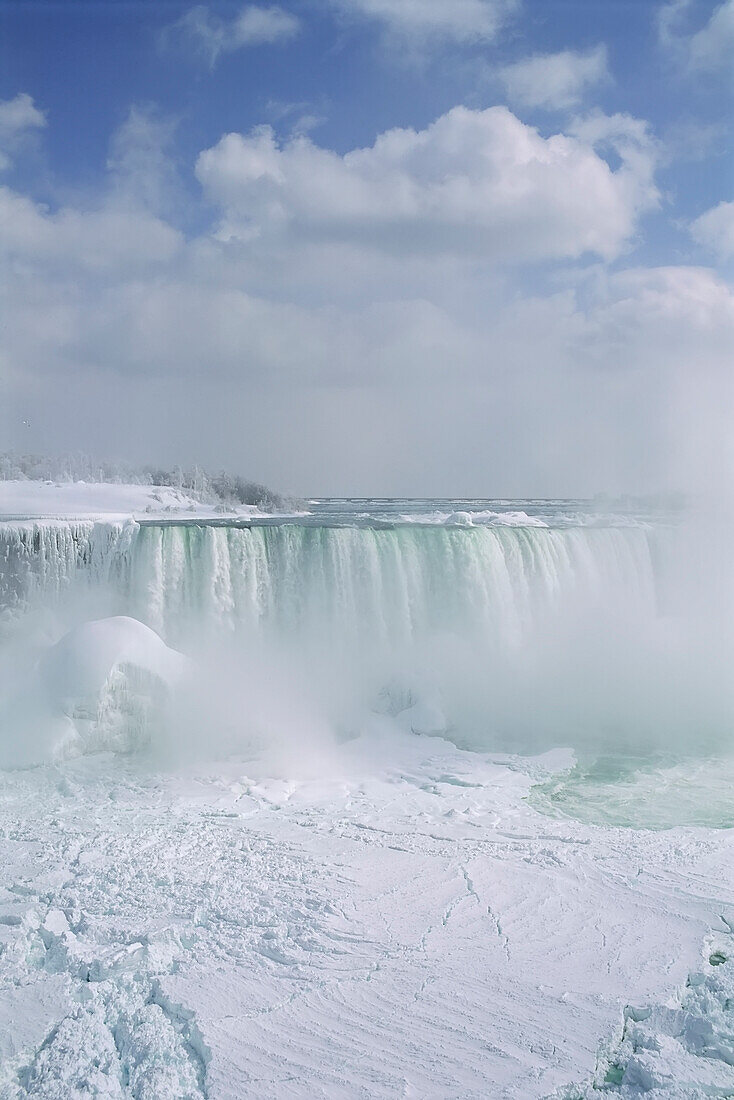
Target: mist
606,639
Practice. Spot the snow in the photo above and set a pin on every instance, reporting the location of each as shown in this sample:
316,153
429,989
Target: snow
479,517
88,500
81,662
403,924
263,902
103,686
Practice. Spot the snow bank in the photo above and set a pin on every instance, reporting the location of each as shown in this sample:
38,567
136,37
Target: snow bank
81,499
678,1050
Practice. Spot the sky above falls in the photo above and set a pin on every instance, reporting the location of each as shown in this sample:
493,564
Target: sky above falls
391,247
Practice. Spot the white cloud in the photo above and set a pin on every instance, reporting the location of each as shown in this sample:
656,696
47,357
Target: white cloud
18,116
473,183
554,81
299,117
687,140
715,230
630,139
416,361
618,382
462,21
711,47
142,171
112,239
670,17
212,36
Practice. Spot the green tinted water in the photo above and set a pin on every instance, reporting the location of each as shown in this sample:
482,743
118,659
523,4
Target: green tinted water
659,792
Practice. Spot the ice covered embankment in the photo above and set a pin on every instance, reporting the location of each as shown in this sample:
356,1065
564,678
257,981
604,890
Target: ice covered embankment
77,500
102,687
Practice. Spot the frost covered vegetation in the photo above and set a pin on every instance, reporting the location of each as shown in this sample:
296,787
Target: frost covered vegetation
215,488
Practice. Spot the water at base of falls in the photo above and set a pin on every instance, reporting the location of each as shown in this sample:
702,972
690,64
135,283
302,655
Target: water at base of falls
644,793
527,624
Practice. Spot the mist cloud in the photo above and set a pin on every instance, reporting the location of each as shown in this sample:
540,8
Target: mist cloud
210,37
555,81
381,306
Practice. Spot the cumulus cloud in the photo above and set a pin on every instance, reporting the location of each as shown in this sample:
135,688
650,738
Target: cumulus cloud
715,230
140,161
711,47
554,81
463,21
18,117
613,383
475,183
305,335
210,36
109,239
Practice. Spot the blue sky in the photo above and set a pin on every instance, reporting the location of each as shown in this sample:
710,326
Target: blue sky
525,291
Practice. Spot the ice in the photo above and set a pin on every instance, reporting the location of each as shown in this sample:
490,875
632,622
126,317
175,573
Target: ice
81,663
678,1050
405,926
102,687
252,852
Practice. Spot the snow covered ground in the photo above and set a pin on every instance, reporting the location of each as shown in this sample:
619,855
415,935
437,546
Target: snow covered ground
404,926
89,500
387,916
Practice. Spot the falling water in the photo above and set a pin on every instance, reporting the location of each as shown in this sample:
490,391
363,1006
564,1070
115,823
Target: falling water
529,636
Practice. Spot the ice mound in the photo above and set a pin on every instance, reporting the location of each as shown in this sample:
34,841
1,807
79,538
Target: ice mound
681,1050
81,663
102,688
425,718
109,679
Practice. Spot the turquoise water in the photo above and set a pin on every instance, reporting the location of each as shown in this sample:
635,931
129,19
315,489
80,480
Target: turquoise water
660,792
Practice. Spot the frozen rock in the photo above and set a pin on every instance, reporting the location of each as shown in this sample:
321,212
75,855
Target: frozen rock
102,687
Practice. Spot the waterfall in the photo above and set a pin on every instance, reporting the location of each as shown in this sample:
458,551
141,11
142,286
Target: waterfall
356,585
522,636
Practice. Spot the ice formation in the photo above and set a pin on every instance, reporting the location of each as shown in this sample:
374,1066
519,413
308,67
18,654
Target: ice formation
327,895
102,687
386,584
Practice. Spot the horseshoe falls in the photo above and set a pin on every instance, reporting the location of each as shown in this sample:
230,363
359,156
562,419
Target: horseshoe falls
358,586
281,795
501,630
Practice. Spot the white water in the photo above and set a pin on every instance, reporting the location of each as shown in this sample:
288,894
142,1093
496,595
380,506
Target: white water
386,584
519,638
